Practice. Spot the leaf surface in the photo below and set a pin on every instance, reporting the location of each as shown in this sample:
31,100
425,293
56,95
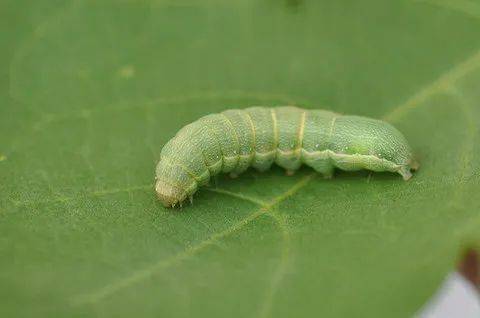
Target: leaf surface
91,90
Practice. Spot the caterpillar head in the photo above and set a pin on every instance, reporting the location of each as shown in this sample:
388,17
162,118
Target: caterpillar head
168,194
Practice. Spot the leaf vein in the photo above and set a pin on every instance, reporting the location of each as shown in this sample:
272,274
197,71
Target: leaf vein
141,275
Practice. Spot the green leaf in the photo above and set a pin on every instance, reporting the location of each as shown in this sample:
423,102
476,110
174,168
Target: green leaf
91,90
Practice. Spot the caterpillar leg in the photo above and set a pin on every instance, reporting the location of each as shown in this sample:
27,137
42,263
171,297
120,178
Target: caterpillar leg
325,170
214,180
328,174
289,172
405,173
320,164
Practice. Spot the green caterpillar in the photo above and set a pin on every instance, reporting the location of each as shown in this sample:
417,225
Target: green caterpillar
234,140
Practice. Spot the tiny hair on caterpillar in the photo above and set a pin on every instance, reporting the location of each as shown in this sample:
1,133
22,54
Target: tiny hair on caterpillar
236,139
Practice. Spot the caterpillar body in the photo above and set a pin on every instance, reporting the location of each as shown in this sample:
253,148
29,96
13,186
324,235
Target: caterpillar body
236,139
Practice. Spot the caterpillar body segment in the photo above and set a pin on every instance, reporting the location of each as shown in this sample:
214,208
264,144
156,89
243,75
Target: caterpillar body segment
234,140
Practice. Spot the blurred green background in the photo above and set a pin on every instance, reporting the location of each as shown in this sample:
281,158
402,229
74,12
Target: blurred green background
91,90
